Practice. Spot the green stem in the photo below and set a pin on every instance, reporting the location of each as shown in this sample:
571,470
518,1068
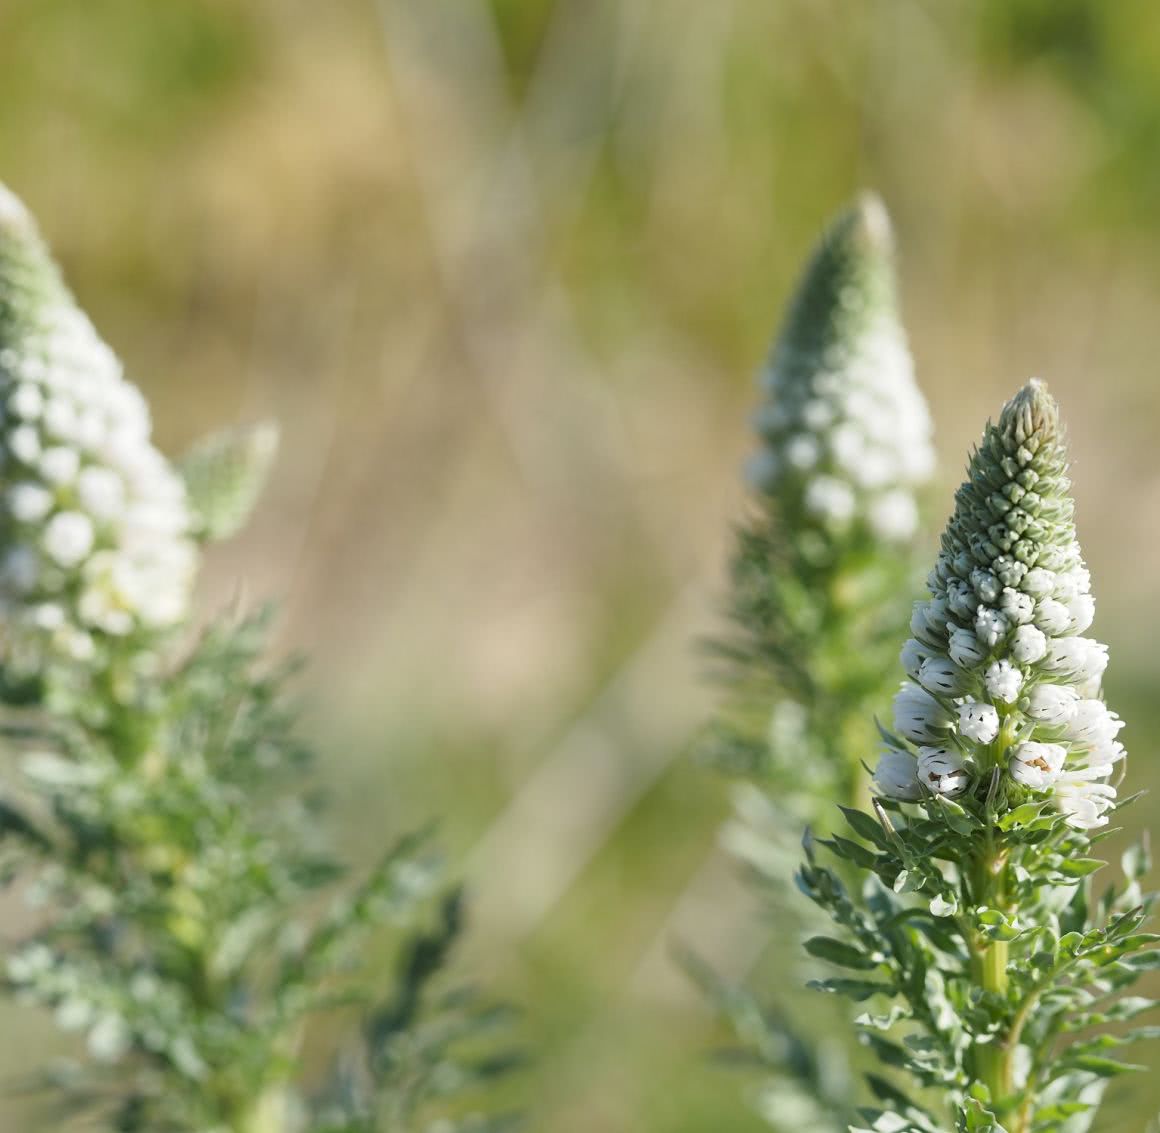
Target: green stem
994,1059
993,1062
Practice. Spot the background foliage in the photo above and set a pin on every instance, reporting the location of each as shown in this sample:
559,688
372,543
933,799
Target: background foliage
504,271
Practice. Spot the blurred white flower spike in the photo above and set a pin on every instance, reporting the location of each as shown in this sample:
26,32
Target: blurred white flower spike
1009,603
93,519
845,432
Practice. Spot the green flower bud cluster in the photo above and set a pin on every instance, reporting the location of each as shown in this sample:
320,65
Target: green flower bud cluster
1001,676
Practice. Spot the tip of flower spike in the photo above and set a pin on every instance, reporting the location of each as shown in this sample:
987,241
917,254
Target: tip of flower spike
868,222
1031,412
12,211
863,231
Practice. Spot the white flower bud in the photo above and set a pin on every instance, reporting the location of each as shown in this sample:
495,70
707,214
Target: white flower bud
978,722
110,1039
1081,612
1037,765
101,492
941,771
912,656
918,716
48,615
1078,657
893,516
830,499
1028,645
802,452
990,626
938,675
928,620
817,415
1092,723
1103,755
1003,681
1039,583
26,401
961,599
24,444
896,776
29,503
1084,804
965,649
1017,608
59,465
986,585
68,538
1051,704
1052,617
1075,580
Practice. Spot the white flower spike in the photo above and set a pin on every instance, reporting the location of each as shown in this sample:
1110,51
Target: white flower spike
1009,599
845,433
93,517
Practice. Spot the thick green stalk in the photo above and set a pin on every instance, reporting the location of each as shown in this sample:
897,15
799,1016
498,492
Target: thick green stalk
993,1060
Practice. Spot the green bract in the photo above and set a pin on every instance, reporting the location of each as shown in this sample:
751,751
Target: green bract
978,944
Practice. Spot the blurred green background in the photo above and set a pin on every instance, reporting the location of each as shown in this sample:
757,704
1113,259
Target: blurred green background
503,270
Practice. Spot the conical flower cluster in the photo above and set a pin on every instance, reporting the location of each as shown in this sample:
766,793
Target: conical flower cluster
1001,675
93,520
846,435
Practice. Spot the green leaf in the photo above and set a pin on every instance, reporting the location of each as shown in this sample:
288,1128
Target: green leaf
959,820
857,990
840,953
865,826
850,851
1020,816
1101,1067
1080,867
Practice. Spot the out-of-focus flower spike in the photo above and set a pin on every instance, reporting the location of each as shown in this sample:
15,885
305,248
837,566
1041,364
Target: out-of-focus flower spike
845,433
93,520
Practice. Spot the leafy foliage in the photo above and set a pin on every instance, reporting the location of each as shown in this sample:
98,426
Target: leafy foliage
920,934
188,917
419,1049
169,847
